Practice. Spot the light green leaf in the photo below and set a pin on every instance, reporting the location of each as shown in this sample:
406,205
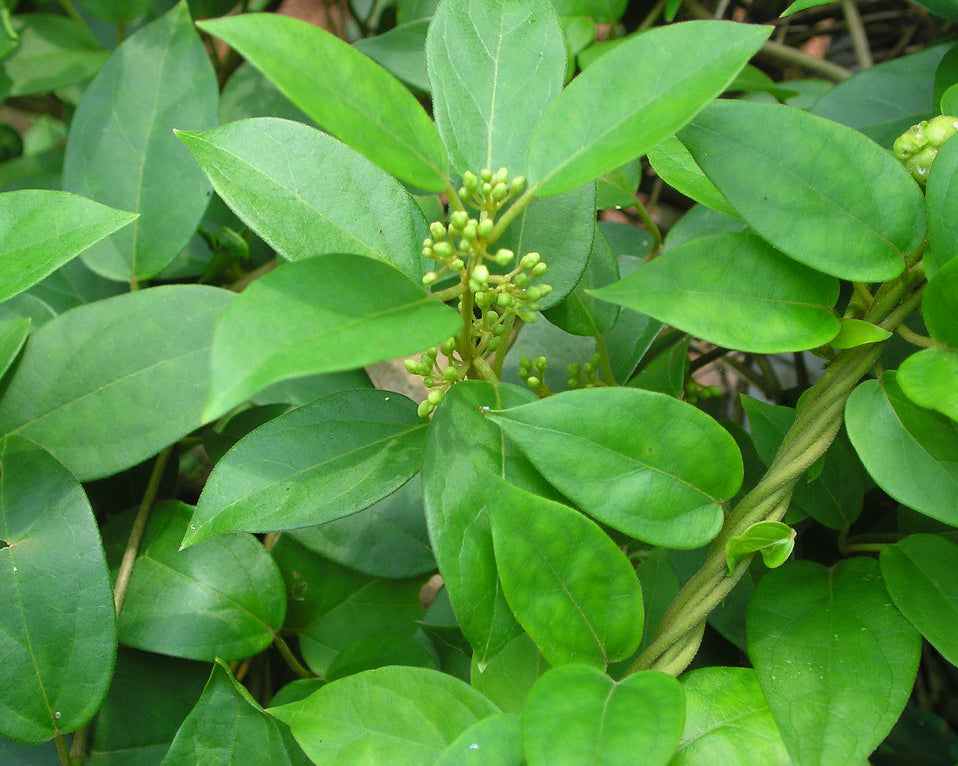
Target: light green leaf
834,657
828,197
910,452
939,306
596,124
576,714
941,201
494,66
773,539
675,165
507,678
223,598
324,314
661,480
601,11
401,51
57,633
493,741
122,152
99,419
331,200
930,379
856,332
733,290
801,5
323,461
395,715
228,726
727,721
345,92
13,333
569,585
42,230
921,574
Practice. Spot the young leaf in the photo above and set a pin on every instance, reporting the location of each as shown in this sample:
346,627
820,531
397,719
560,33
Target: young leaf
494,67
733,290
910,452
493,741
323,461
569,586
596,125
727,721
311,206
57,633
122,152
661,480
223,598
345,92
42,230
929,379
829,197
941,201
576,714
13,333
96,418
921,574
773,539
324,314
228,726
398,715
856,332
834,657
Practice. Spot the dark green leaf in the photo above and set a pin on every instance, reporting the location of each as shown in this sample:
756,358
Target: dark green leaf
401,51
378,650
941,199
13,332
581,314
930,379
248,93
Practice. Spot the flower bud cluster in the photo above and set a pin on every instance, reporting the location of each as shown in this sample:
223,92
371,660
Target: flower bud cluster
917,147
695,392
434,375
585,375
533,372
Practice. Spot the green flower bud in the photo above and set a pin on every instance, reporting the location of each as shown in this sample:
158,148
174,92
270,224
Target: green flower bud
430,355
573,370
427,252
518,183
587,368
443,249
920,164
533,306
539,269
425,407
529,317
459,219
520,280
463,246
533,293
429,381
525,362
411,366
532,381
429,278
450,374
910,142
504,300
529,261
463,191
501,176
540,363
434,397
481,272
494,343
470,181
504,257
427,242
486,175
469,233
940,129
499,192
572,383
437,230
457,264
544,290
483,299
485,227
447,346
499,329
486,190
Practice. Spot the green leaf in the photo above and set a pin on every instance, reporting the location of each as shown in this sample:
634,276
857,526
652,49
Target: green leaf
939,306
323,461
57,633
223,598
122,152
733,290
345,92
13,333
930,379
248,93
910,452
601,11
569,585
332,200
675,165
828,197
773,539
596,124
166,687
834,657
856,332
54,52
802,5
116,11
616,189
507,678
921,574
378,650
727,721
493,741
494,67
324,314
401,51
99,419
662,480
228,726
941,201
581,314
395,715
42,230
576,714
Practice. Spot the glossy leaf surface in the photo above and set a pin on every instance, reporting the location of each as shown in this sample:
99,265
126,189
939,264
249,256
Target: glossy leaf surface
507,678
773,539
675,165
493,741
939,306
941,199
930,379
856,332
13,333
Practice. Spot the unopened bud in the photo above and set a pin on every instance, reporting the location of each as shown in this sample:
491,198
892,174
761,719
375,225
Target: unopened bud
529,261
469,233
450,374
443,249
520,280
504,300
459,219
469,181
429,278
447,346
425,407
532,381
518,183
504,257
481,272
434,397
540,363
539,269
486,175
499,192
437,230
485,227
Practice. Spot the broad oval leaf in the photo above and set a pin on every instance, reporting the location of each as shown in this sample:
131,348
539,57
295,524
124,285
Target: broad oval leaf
939,306
675,165
57,631
930,379
493,741
736,291
658,470
395,715
494,66
224,598
596,124
910,452
96,418
13,334
569,585
941,200
345,92
834,657
576,714
331,200
324,314
402,52
921,574
828,197
42,230
318,463
507,678
122,152
727,721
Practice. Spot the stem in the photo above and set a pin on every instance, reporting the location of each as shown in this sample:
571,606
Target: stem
811,63
511,214
651,228
453,196
139,526
78,747
485,371
73,13
449,293
504,344
856,31
61,746
604,361
917,339
287,654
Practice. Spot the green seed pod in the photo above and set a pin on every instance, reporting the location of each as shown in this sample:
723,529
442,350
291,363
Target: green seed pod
469,181
540,363
437,230
499,192
529,261
504,257
539,269
429,278
459,219
450,374
434,397
485,227
425,407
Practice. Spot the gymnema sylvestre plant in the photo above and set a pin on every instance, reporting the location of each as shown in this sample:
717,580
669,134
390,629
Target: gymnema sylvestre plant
597,530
